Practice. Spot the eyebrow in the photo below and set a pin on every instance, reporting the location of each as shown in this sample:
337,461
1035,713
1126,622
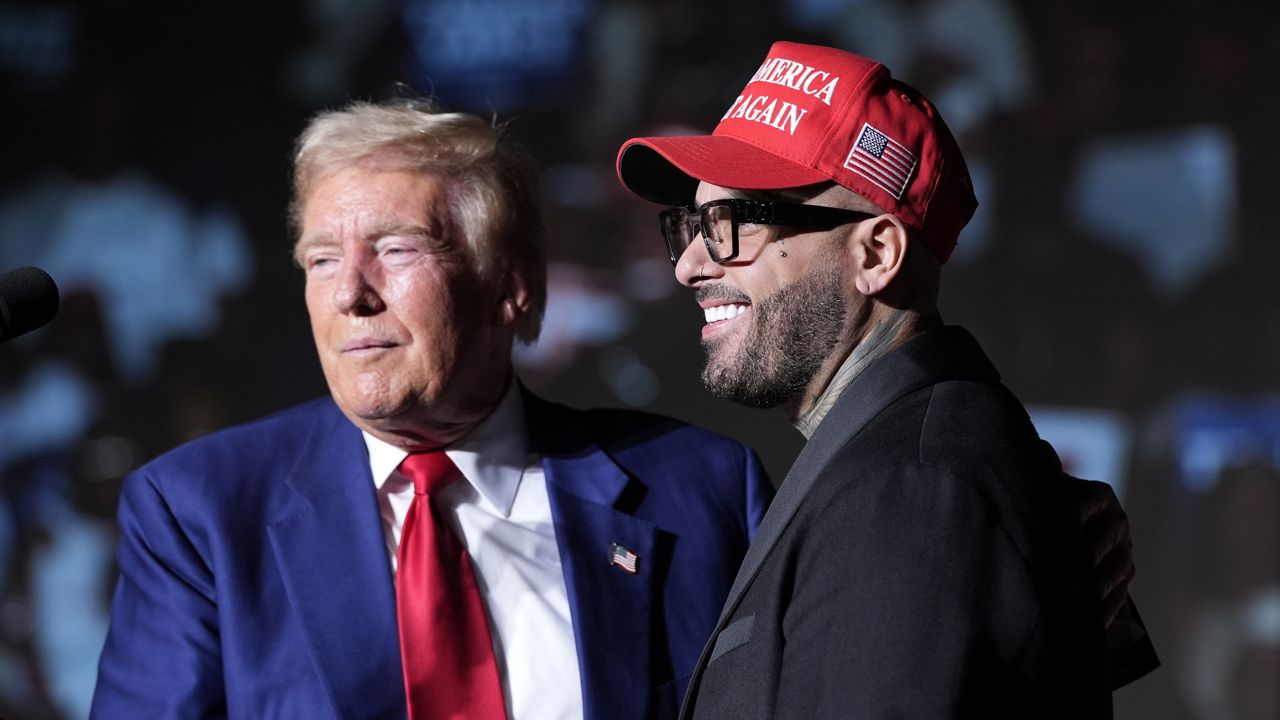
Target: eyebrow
304,244
400,229
325,239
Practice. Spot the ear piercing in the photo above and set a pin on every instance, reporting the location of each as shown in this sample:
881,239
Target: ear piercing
783,253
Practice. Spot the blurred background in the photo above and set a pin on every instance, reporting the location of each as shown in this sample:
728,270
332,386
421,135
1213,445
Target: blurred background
1120,270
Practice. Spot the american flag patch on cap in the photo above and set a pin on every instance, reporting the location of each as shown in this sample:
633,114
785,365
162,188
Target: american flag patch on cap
882,160
623,558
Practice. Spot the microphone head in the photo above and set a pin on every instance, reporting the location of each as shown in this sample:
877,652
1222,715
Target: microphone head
28,300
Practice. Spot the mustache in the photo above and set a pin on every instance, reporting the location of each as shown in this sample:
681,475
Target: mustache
721,291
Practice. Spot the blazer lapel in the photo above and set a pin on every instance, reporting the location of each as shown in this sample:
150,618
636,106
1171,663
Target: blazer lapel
330,549
612,608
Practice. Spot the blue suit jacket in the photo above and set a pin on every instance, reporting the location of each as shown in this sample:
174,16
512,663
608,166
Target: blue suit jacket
254,580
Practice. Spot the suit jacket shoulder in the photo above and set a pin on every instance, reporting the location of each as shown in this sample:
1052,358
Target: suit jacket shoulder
254,579
227,470
667,463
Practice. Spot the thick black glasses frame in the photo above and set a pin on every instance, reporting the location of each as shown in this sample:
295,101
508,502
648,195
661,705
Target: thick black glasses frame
757,212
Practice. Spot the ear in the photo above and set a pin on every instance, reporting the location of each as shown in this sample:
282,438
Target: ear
879,250
513,303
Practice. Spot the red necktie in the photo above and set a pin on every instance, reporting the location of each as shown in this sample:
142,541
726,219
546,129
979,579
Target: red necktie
449,669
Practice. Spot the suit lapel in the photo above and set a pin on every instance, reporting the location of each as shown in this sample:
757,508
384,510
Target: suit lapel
332,554
612,609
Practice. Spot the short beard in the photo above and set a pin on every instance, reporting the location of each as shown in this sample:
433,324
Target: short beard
792,333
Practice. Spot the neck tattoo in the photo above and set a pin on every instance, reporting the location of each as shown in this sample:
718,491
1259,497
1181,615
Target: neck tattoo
876,344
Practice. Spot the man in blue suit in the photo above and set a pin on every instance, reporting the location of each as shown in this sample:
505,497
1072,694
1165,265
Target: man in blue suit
259,564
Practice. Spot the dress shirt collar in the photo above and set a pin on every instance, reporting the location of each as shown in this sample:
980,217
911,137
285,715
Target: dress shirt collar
492,457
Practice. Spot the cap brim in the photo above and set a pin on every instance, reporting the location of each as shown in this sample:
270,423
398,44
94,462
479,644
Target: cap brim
667,169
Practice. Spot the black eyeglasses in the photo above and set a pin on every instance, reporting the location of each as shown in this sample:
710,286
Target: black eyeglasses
728,227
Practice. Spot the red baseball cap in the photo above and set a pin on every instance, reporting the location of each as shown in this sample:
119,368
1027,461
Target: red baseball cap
814,114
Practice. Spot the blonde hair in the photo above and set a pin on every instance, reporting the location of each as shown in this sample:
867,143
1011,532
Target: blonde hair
492,187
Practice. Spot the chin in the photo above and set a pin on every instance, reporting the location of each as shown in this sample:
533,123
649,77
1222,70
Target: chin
368,407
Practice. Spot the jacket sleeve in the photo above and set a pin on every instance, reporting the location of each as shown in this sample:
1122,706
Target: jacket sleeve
162,657
1131,654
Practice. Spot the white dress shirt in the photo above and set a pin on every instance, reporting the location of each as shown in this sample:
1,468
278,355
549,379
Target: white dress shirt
504,517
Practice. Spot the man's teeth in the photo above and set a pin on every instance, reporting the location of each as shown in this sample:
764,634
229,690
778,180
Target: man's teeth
723,312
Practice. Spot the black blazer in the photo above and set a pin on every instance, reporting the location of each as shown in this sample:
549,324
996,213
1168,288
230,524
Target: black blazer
921,560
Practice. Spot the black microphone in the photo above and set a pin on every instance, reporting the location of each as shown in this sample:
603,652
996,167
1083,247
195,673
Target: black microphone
28,300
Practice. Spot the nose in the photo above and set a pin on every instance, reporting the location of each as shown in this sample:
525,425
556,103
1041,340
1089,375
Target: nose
354,293
696,266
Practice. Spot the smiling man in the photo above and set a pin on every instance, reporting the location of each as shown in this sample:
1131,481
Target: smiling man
921,559
431,540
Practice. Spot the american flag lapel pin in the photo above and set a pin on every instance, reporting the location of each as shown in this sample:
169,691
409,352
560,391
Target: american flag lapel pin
623,558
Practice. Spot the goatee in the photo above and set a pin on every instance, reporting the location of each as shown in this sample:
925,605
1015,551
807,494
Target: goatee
791,334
